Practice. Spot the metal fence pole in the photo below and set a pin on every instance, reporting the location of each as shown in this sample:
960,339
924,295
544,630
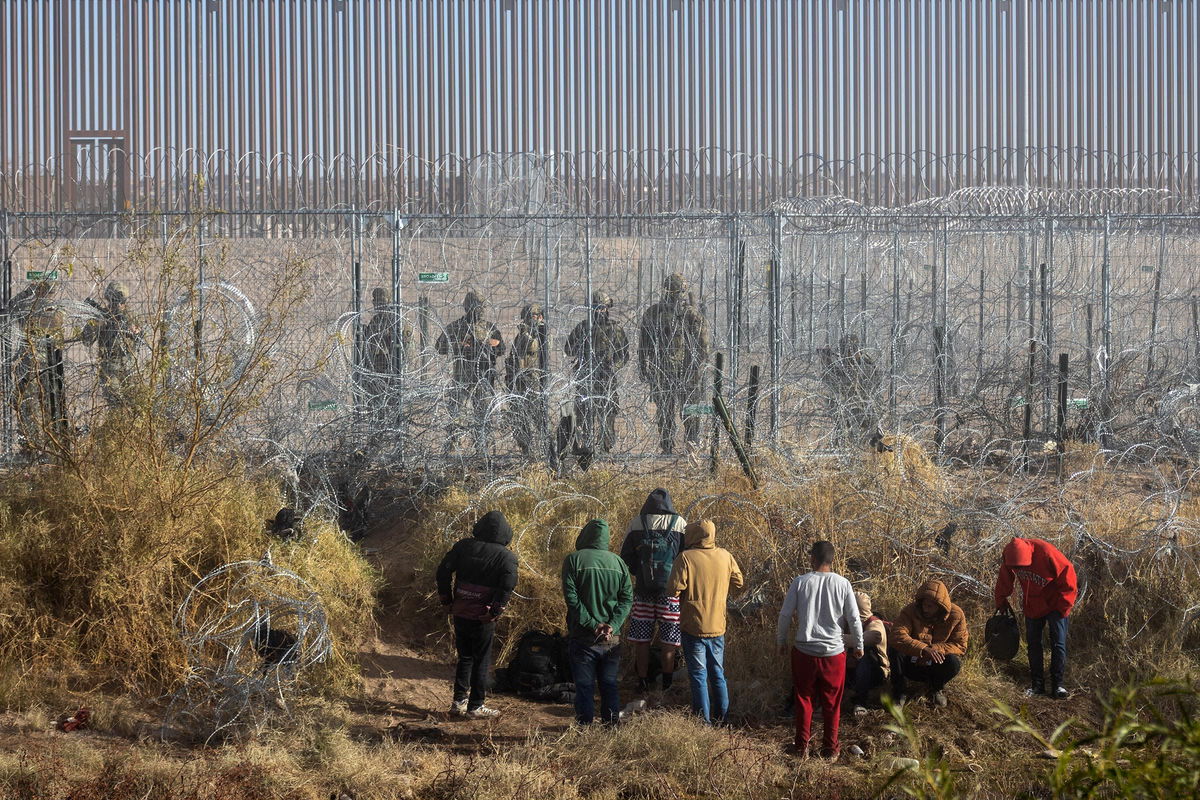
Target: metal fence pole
1102,433
894,343
398,352
6,381
544,356
1158,274
776,322
356,307
589,365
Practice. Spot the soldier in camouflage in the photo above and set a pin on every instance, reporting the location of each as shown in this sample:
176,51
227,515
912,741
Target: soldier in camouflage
383,360
672,351
598,348
473,344
525,370
854,380
38,396
115,337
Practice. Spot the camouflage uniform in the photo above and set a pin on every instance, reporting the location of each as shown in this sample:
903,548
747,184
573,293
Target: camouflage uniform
469,342
115,338
672,351
381,361
38,395
524,374
595,361
854,378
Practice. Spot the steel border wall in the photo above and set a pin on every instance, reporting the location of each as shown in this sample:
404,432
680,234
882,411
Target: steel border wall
602,106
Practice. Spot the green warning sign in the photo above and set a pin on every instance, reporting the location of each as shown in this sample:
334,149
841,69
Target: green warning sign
41,275
322,405
698,410
433,277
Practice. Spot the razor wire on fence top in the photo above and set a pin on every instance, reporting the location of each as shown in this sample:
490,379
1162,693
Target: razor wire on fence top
961,321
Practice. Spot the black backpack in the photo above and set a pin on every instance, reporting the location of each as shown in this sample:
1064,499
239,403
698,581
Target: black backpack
538,662
656,555
1003,635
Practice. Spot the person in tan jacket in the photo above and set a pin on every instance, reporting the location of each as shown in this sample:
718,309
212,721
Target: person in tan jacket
866,673
930,637
701,578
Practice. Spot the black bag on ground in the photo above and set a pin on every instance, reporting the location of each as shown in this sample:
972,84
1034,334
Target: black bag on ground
538,663
1003,635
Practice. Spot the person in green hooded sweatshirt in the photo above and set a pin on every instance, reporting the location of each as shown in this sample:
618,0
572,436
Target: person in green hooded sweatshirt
599,594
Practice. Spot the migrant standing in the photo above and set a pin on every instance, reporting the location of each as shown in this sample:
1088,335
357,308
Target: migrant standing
1049,588
598,592
484,572
822,604
701,578
653,541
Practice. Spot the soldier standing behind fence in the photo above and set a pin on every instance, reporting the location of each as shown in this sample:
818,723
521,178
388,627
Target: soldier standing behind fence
474,344
114,336
383,360
854,378
524,375
672,352
595,361
38,364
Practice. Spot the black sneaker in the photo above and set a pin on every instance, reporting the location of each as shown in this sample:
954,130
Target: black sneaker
667,679
1059,693
1038,689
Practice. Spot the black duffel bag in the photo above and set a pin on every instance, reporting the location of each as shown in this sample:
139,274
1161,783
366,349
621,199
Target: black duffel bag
1003,635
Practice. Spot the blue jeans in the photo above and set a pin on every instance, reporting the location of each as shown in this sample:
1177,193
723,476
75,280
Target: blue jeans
705,656
1057,624
591,665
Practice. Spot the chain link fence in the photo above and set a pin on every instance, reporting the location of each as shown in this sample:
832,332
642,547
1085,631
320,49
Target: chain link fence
997,323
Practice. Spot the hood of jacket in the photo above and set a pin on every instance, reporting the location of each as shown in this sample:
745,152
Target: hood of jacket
594,536
493,527
864,605
937,591
702,535
658,502
1018,553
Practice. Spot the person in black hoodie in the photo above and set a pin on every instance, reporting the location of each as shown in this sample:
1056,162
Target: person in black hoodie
653,540
485,574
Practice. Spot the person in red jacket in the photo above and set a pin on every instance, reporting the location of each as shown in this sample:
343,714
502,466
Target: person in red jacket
1048,591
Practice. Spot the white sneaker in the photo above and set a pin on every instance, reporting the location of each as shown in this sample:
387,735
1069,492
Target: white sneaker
458,708
483,712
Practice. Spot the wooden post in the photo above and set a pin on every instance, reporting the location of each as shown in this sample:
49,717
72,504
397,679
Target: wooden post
718,380
939,388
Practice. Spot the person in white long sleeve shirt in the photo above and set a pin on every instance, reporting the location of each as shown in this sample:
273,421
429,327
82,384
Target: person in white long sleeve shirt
823,606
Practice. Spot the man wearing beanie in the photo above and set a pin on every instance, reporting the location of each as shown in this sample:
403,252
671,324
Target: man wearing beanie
1048,591
485,574
701,578
599,593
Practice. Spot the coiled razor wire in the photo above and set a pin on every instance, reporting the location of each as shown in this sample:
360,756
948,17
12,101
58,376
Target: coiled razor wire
251,631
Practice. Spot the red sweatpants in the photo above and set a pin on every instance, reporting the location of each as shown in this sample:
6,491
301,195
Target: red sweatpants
818,679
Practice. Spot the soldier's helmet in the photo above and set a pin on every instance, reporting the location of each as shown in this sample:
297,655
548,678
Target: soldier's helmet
601,301
675,284
530,311
116,292
380,296
473,302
